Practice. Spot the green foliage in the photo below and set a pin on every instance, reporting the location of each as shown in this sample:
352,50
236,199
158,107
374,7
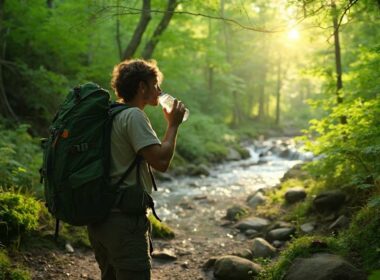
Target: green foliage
160,229
300,247
374,275
351,148
10,272
45,89
20,159
363,237
18,215
197,139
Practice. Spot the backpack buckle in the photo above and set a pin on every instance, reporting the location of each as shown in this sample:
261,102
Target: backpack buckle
81,147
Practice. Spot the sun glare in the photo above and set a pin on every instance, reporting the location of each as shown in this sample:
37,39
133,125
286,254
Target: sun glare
293,35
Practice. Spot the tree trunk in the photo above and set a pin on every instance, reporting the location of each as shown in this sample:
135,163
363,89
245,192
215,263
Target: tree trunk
139,31
5,108
118,40
261,89
161,27
278,91
210,80
236,109
338,59
49,4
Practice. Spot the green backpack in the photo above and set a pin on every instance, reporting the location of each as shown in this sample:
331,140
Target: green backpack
76,161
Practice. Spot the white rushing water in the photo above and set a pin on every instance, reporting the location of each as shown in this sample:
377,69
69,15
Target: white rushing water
197,205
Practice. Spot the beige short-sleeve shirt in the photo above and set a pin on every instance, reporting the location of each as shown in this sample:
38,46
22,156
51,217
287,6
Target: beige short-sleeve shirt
131,131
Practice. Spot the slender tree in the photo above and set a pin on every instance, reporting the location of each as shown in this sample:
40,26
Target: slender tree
5,108
135,41
278,89
338,58
160,28
50,4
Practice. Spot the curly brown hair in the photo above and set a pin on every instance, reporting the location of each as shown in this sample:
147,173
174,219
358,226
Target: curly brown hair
127,75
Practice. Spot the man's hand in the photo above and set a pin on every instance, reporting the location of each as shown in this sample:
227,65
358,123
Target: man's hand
175,116
159,156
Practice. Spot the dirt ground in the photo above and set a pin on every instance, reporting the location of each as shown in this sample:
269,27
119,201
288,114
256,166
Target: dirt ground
191,255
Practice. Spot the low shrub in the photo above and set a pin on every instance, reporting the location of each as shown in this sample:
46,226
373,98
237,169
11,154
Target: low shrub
20,158
362,238
18,215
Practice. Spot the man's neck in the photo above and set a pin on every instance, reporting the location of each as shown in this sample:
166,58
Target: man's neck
136,103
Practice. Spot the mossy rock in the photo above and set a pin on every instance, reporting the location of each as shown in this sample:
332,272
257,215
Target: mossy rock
236,213
160,229
244,153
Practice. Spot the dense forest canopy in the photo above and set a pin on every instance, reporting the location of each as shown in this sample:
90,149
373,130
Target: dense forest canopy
238,57
241,65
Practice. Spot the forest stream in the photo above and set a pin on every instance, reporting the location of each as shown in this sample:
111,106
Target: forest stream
195,208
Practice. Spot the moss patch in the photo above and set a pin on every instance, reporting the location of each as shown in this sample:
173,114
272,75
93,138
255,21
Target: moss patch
363,237
300,247
10,271
160,229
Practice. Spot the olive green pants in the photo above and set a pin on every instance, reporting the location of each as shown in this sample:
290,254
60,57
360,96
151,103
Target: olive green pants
121,246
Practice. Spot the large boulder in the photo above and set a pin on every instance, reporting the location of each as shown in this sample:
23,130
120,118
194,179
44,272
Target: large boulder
255,223
262,249
329,201
235,268
295,194
323,266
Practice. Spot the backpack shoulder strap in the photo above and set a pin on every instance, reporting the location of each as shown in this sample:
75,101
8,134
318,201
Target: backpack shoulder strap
116,108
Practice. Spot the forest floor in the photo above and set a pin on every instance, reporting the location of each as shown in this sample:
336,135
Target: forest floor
191,255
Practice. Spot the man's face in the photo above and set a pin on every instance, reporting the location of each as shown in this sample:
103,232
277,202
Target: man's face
152,92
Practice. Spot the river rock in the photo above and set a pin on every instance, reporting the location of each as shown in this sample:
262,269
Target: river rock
281,224
281,234
198,170
235,268
323,266
251,233
210,263
69,248
329,201
233,155
285,153
308,227
165,255
295,172
262,249
340,223
295,194
244,253
164,177
278,243
256,200
255,223
236,212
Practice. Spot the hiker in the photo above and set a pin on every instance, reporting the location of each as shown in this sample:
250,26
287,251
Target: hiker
122,242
